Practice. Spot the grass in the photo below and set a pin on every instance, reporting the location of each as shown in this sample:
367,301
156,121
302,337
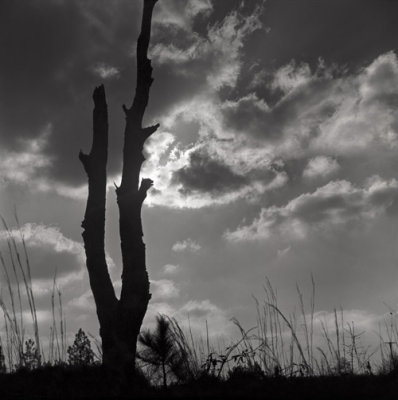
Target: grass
291,354
17,346
13,316
295,346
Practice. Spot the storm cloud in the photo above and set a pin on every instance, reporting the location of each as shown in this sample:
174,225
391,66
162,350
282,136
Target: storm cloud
205,174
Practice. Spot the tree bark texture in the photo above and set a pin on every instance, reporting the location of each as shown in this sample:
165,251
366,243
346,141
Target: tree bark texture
120,319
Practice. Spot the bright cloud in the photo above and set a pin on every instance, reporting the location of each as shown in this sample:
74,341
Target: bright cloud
180,15
194,316
29,168
38,235
335,204
214,169
291,76
219,50
105,71
50,253
23,166
362,320
164,289
320,167
171,269
328,110
186,245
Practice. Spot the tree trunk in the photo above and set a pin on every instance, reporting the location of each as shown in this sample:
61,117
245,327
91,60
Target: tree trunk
94,221
164,374
135,294
120,320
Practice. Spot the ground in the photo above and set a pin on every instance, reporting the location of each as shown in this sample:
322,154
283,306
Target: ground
93,382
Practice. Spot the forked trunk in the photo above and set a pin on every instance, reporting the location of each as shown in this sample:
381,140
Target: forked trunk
120,319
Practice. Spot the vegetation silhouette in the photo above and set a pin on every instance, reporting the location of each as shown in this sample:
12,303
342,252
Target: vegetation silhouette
80,353
31,358
160,352
3,368
278,358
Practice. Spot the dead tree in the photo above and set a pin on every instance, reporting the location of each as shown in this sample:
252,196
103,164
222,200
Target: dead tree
120,319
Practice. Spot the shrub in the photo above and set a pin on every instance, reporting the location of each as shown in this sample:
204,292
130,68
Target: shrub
80,353
31,356
245,373
159,351
389,365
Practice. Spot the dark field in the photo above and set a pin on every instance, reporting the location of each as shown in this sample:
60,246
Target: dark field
93,382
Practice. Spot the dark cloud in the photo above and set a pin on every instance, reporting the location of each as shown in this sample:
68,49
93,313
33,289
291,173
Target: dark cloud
350,33
307,104
250,116
36,48
48,50
208,175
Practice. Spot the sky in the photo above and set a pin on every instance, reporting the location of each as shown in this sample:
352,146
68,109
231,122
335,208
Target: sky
276,156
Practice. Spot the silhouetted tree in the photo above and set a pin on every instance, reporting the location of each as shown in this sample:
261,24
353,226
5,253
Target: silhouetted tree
160,350
80,353
31,356
120,319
